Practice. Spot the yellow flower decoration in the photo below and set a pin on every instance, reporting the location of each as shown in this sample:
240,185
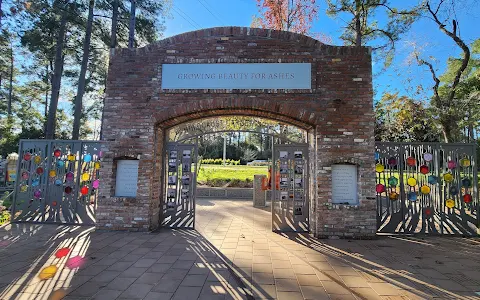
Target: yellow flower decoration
23,188
393,196
450,203
379,168
85,176
411,181
97,165
37,159
465,162
52,173
425,189
71,157
448,177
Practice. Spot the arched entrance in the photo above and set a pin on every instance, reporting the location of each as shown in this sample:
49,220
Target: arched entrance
272,74
288,158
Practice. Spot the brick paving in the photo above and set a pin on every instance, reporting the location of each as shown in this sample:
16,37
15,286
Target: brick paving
231,255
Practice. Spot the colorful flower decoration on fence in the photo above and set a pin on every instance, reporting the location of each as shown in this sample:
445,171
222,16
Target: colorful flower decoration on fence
379,168
411,162
465,163
393,196
451,164
432,179
393,181
411,182
380,188
450,203
448,177
427,156
466,183
412,196
392,161
424,170
425,189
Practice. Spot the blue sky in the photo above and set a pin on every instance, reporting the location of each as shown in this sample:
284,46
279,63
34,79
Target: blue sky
402,76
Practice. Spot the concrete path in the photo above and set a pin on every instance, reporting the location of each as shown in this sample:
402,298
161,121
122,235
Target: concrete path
232,255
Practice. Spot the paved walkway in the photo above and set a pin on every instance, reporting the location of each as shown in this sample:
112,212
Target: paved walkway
232,255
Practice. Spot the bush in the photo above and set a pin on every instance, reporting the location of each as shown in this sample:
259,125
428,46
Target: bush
217,182
5,200
4,217
219,161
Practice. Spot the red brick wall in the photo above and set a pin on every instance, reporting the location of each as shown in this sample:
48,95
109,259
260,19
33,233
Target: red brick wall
337,110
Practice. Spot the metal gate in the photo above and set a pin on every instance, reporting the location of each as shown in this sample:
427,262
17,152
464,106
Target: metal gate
427,188
180,182
57,182
289,188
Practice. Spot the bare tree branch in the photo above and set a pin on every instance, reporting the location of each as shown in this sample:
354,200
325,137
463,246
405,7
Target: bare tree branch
438,7
459,42
396,12
385,33
434,76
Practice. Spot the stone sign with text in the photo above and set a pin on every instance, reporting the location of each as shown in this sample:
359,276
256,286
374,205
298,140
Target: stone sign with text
344,184
237,76
126,179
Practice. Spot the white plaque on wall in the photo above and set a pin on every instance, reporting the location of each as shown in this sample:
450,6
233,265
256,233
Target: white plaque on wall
127,177
237,76
344,184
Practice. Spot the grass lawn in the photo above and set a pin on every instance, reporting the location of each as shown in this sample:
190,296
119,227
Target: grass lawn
230,173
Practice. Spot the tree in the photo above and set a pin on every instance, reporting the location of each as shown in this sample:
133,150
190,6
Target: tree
113,31
288,15
363,29
10,80
465,108
444,95
57,74
138,24
402,119
131,25
83,71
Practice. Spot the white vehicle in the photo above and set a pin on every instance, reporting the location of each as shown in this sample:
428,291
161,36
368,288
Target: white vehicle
256,161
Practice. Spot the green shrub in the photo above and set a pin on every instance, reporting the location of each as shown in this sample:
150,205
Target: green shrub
219,161
4,217
5,200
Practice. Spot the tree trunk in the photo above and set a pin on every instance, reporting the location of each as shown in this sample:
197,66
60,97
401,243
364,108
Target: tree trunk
47,73
131,28
358,27
471,137
445,133
10,86
113,34
56,78
1,13
83,72
449,129
289,21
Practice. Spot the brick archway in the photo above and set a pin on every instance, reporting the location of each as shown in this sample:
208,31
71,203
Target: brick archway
337,109
267,109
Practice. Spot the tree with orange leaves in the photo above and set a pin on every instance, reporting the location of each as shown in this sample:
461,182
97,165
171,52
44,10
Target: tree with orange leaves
288,15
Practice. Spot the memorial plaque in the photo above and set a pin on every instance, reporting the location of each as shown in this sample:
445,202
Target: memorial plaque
344,184
237,76
127,177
